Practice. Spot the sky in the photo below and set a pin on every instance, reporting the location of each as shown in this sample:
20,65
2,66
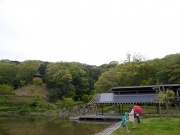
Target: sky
93,32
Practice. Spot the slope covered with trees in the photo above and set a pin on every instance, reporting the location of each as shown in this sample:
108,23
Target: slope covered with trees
81,81
138,71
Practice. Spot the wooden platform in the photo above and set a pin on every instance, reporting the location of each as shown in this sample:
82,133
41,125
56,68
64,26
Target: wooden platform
97,117
109,130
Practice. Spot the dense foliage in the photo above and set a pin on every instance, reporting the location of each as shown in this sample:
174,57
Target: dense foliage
80,81
63,79
138,72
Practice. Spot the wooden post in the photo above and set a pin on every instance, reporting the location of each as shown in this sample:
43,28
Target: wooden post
96,109
102,108
157,108
116,109
177,95
178,101
122,108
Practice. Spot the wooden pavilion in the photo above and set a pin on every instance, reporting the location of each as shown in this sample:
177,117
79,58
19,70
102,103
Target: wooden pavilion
37,75
134,95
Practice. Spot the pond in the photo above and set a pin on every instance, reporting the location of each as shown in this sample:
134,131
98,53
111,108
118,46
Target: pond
48,125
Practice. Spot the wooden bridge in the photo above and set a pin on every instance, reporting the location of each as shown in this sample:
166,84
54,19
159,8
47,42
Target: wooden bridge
107,116
109,130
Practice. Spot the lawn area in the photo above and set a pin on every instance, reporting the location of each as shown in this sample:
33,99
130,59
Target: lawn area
153,126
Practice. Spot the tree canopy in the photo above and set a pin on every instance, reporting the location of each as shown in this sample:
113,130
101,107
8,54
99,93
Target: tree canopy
80,81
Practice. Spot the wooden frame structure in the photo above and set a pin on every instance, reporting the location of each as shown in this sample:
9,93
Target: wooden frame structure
133,95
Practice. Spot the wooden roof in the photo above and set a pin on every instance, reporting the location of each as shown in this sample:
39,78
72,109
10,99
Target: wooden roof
131,94
37,75
145,87
111,98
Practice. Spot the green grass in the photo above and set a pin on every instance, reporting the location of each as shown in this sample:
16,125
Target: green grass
154,126
147,109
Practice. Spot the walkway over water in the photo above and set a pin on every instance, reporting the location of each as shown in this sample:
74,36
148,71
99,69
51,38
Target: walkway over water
109,130
97,117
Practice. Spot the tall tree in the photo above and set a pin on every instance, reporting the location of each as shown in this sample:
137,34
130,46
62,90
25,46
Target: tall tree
106,81
79,79
26,70
173,67
164,96
7,72
63,80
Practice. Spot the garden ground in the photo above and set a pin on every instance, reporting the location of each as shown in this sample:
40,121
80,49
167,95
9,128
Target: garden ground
154,126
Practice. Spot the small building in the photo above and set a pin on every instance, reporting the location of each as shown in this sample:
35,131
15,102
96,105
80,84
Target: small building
37,75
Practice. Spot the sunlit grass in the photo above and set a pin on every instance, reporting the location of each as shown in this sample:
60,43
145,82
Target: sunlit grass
154,126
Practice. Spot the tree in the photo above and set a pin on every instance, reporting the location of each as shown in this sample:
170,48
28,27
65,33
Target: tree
113,64
173,67
42,69
7,72
63,80
69,79
129,74
85,98
68,102
136,57
82,88
106,81
164,96
26,70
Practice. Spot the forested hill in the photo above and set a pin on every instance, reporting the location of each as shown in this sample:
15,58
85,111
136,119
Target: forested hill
63,79
81,81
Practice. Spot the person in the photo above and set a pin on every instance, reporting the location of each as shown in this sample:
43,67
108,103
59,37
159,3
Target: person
123,123
137,117
131,117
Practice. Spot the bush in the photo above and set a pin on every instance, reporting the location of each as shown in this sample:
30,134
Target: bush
68,102
37,81
32,89
59,103
4,108
2,100
5,89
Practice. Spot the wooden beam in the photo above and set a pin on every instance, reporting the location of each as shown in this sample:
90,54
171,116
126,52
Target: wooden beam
102,109
96,109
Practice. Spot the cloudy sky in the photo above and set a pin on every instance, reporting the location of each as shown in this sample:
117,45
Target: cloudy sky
88,31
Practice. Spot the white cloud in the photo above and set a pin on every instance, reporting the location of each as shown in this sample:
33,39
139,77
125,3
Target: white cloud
92,32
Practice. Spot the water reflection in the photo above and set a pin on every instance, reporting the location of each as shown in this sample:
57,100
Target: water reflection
44,125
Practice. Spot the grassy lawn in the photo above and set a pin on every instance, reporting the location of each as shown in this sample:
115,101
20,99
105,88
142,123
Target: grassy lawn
153,126
147,109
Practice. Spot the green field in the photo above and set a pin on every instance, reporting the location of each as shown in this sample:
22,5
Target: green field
154,126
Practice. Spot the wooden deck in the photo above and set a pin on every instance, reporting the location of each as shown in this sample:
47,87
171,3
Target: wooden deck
97,117
109,130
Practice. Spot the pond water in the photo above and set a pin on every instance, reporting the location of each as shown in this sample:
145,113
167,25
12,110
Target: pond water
44,125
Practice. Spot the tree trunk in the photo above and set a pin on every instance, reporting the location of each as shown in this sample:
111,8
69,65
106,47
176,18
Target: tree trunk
160,108
166,102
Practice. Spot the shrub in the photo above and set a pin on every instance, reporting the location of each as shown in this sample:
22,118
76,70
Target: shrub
5,89
37,81
2,100
32,89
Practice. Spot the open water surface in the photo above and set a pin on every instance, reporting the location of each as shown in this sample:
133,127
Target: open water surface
48,125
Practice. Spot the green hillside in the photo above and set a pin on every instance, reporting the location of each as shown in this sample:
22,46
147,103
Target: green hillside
29,98
31,90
